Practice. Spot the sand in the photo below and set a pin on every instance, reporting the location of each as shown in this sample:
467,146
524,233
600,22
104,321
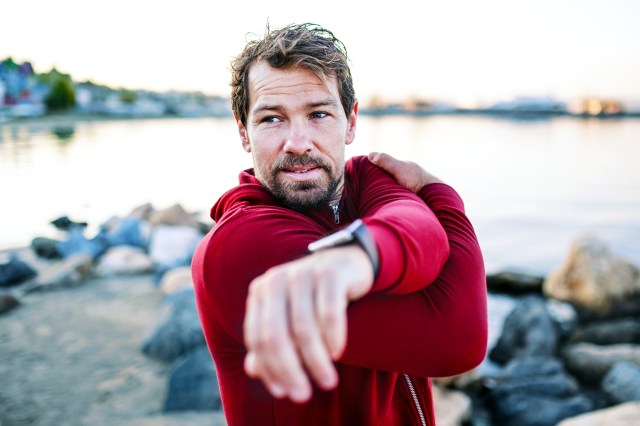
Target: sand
72,356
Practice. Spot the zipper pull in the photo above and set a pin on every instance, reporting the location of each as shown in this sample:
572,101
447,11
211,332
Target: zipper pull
336,212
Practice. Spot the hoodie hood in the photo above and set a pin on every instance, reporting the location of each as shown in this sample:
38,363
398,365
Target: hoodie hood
249,192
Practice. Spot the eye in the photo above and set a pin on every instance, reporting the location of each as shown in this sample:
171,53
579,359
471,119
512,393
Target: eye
271,119
319,114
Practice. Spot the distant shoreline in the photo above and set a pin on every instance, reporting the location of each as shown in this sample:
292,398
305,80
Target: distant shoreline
63,119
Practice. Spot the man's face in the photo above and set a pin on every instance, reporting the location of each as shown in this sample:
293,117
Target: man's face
297,131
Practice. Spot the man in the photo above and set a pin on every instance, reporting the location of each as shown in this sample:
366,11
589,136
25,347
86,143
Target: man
330,290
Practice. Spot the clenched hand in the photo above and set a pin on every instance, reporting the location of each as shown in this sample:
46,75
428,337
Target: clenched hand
296,320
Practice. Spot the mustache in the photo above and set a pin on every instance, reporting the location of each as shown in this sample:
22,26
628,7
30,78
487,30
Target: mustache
289,161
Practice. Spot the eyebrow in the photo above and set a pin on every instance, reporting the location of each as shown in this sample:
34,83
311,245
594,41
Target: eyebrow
275,107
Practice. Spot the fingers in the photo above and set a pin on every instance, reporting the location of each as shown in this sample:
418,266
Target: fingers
306,330
272,355
331,310
408,174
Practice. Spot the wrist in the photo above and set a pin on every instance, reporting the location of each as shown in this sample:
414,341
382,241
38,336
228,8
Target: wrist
356,233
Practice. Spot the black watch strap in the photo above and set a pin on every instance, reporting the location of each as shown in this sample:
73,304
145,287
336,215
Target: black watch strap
356,232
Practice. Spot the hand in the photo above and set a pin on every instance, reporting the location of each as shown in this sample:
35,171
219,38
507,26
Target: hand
296,319
408,174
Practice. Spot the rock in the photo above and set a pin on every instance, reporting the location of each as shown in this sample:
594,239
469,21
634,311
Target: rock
619,415
534,410
543,376
452,408
527,331
591,363
622,382
534,383
76,242
175,215
514,283
15,271
592,277
142,212
7,303
63,223
127,231
176,280
626,330
564,315
69,272
46,248
173,245
193,383
124,260
179,332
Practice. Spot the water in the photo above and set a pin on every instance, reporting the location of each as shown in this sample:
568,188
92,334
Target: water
530,187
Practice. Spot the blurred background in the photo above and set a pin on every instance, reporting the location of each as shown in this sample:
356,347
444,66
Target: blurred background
530,109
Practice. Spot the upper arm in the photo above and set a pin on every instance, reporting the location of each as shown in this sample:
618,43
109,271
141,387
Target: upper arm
411,242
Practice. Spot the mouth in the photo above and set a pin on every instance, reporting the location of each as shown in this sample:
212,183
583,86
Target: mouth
302,173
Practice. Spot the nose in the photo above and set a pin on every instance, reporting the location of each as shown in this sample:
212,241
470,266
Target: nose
298,138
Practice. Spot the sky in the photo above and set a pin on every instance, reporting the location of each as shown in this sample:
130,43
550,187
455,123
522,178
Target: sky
463,51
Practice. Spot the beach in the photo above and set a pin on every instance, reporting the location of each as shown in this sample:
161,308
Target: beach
72,356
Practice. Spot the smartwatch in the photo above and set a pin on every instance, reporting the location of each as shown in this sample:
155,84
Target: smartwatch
356,233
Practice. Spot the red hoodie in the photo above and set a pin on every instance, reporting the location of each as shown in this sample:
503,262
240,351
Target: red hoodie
425,315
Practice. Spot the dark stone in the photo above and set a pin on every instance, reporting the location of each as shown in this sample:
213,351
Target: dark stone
533,366
193,385
627,307
622,382
179,332
528,330
7,303
541,376
15,272
46,248
535,410
63,223
626,330
514,283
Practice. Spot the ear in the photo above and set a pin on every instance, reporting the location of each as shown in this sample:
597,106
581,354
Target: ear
351,129
244,136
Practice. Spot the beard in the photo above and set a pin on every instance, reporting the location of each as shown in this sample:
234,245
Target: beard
305,195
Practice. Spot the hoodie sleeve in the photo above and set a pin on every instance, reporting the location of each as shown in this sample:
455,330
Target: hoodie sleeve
440,330
412,244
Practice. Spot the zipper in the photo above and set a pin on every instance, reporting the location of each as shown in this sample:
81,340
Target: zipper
336,212
415,399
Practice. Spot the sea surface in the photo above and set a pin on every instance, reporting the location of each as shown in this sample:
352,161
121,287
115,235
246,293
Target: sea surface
531,187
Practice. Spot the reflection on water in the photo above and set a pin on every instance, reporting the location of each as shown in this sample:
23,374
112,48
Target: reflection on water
530,187
63,133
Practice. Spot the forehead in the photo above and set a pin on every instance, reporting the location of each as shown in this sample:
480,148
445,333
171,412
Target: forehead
290,85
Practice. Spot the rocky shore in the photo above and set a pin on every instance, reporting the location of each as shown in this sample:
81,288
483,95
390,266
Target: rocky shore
103,329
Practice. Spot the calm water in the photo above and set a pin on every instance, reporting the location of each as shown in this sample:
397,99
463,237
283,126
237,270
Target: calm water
530,187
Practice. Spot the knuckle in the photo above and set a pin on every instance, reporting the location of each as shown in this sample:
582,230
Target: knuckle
301,333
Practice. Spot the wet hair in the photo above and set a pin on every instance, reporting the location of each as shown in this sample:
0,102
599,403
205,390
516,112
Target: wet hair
298,45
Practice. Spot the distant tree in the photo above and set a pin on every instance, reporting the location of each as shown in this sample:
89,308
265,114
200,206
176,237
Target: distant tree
127,96
62,95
